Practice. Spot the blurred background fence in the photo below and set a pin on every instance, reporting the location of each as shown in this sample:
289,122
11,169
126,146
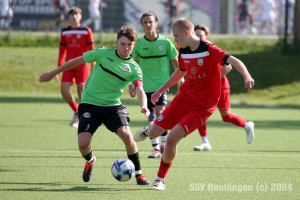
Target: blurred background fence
221,16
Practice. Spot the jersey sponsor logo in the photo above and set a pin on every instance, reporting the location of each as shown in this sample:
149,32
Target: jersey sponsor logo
187,61
200,61
125,68
161,47
78,36
87,115
196,76
161,117
193,70
146,48
111,60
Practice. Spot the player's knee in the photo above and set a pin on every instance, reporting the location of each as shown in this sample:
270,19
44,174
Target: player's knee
226,118
83,144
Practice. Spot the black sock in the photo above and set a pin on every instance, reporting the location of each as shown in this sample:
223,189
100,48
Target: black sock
88,156
136,161
164,133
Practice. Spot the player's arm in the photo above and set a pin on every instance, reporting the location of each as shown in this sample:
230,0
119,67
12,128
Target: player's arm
174,78
141,97
226,69
176,66
47,76
241,68
131,88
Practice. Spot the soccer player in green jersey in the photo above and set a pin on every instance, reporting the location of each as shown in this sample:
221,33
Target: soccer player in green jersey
101,97
153,52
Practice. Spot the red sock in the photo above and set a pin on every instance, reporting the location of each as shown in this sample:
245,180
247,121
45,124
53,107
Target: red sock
234,119
163,169
74,106
202,130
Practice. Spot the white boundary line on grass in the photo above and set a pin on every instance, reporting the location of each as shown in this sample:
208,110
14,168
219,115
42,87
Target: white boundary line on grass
196,153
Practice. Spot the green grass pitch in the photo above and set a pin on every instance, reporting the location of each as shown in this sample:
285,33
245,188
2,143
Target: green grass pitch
39,158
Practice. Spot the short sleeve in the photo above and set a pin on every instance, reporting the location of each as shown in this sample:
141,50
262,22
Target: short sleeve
93,55
172,51
218,54
138,75
135,54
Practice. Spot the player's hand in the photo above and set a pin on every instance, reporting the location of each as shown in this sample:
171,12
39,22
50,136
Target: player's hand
155,96
249,82
145,111
57,76
132,91
45,77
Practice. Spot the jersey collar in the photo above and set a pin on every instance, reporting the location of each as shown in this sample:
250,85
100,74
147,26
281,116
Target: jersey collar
152,40
122,58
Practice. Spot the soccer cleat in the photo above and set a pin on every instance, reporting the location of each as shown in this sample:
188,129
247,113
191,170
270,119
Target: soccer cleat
250,132
141,134
155,154
162,148
158,185
203,147
140,180
74,122
87,172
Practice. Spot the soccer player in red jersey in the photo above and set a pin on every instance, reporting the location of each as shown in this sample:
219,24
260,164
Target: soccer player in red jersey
198,96
224,103
75,40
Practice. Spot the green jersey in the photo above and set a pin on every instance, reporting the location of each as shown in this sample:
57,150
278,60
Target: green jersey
109,76
153,58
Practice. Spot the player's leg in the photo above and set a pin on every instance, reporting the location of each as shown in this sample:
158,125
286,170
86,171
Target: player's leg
154,141
205,146
66,82
188,123
81,75
159,108
116,120
97,20
89,122
227,116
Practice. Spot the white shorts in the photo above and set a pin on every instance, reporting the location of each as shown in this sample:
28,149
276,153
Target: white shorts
6,10
268,16
94,12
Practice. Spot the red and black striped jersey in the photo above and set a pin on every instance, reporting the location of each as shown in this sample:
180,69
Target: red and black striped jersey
203,67
74,42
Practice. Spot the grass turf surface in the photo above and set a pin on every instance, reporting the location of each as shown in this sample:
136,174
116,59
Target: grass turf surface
40,159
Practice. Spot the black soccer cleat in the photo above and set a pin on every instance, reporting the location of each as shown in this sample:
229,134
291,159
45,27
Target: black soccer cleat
140,180
87,172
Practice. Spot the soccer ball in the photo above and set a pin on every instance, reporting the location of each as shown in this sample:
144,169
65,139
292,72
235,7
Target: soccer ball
123,169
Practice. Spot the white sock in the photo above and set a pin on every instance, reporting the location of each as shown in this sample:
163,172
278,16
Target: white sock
205,139
155,141
163,140
89,161
159,179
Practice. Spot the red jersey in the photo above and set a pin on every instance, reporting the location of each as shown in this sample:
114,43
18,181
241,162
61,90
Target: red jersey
74,42
224,81
202,86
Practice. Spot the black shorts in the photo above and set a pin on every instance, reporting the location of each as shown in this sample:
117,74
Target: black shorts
92,116
162,101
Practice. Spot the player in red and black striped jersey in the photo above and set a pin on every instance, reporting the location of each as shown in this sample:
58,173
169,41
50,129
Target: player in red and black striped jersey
224,103
75,40
198,96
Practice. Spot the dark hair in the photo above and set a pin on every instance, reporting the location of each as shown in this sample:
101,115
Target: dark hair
74,10
128,32
147,14
202,27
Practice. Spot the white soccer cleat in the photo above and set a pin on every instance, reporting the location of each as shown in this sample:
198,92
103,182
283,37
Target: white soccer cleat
158,185
74,122
203,147
141,134
155,154
250,132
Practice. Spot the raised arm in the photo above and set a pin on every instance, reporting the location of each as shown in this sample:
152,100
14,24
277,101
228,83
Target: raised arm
142,100
240,67
47,76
